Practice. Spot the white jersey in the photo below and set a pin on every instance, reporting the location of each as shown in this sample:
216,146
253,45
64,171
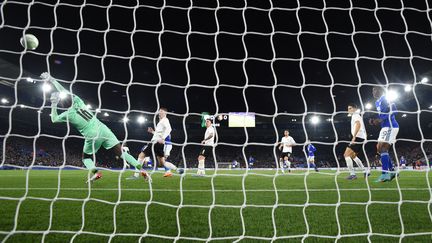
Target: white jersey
286,141
210,131
362,131
163,129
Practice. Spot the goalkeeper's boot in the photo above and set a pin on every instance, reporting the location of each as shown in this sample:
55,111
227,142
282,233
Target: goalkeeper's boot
351,177
168,174
95,177
145,175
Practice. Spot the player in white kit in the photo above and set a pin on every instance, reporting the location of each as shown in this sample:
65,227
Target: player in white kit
286,144
358,133
207,148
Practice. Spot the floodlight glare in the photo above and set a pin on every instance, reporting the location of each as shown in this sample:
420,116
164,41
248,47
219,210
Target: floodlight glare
141,119
4,101
46,87
106,114
404,115
314,120
62,95
88,106
368,106
30,80
424,80
407,88
125,119
392,95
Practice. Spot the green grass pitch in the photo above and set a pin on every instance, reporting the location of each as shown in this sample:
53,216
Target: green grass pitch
270,208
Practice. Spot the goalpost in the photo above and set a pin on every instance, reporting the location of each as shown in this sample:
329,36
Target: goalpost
303,61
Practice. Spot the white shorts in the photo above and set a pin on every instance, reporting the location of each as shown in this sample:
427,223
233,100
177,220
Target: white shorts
388,135
167,149
311,159
288,164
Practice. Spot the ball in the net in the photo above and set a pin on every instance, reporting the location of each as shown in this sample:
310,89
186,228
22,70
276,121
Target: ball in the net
30,41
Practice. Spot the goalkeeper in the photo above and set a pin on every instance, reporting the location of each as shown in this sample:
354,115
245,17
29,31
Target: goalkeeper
96,133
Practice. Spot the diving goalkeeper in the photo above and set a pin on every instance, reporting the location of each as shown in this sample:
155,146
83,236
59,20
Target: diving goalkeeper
96,133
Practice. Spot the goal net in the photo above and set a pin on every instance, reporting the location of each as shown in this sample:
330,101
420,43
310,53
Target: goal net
258,70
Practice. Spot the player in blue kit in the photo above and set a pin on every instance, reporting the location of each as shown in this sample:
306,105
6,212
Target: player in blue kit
311,155
251,162
402,162
389,130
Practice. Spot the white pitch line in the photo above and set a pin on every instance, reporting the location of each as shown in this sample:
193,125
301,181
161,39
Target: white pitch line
206,190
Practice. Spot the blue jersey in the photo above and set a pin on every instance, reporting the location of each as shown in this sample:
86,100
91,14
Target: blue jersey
386,112
402,160
168,140
311,150
234,163
251,160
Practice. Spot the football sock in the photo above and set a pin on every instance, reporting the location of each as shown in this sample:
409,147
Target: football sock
359,163
170,166
386,163
90,165
131,160
350,165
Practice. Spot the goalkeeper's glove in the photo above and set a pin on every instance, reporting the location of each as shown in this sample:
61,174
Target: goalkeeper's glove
55,98
45,76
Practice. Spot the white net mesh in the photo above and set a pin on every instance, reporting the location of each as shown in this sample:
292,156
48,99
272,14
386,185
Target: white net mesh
294,64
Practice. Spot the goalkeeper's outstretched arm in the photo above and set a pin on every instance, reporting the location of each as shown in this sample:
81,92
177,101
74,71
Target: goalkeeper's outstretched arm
46,76
55,117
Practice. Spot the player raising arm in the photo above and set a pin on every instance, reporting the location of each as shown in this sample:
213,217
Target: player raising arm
389,130
96,134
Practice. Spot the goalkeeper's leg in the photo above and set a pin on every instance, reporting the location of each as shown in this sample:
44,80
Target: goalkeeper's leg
91,146
141,159
131,160
90,165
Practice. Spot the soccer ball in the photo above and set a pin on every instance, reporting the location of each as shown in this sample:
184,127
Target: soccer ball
30,41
